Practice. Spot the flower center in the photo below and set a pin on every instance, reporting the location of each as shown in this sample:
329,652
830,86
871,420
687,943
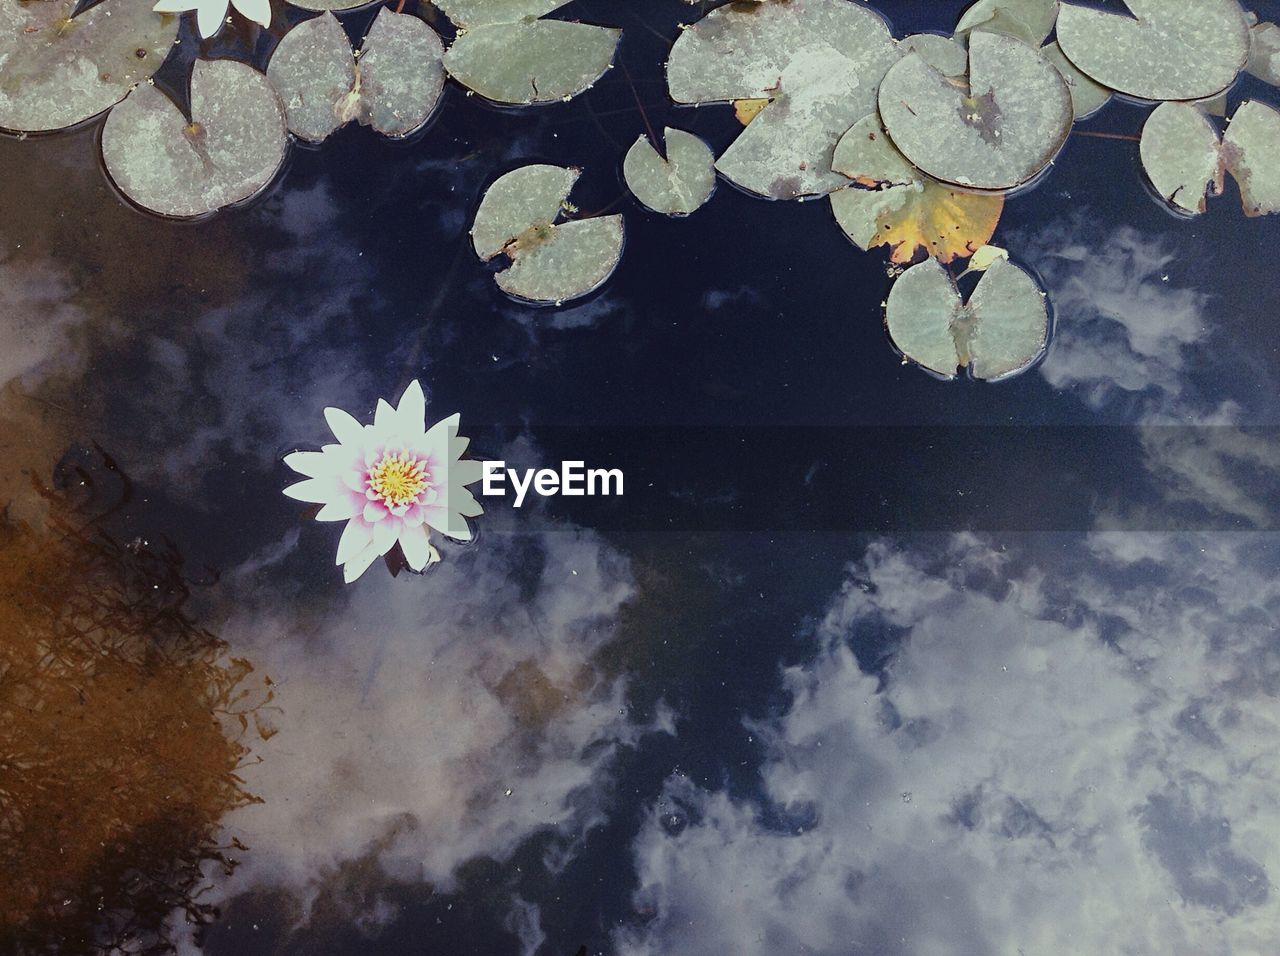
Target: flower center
398,479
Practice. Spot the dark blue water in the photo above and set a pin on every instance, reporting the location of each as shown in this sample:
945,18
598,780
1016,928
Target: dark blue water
863,661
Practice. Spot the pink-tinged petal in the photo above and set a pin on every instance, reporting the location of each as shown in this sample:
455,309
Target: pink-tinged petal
411,413
374,511
316,490
313,464
412,516
355,480
359,564
385,534
340,510
259,11
465,472
416,547
356,537
209,17
384,417
346,429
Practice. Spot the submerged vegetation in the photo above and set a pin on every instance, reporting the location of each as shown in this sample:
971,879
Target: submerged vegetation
916,141
123,724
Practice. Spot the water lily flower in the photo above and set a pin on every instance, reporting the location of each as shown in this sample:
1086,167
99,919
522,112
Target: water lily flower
392,481
210,14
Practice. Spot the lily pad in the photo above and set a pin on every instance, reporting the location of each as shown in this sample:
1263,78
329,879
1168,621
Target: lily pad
507,55
1264,53
1174,50
56,70
945,54
1030,21
1001,331
323,5
228,152
551,261
1001,132
894,204
818,62
1087,97
394,86
1181,155
677,185
1251,149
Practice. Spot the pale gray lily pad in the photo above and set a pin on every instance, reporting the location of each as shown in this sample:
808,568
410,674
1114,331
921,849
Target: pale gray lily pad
1251,148
1011,127
1001,331
56,71
1030,21
394,86
677,185
531,61
819,63
1174,50
229,152
1087,97
550,261
1181,155
1264,53
468,14
947,55
339,5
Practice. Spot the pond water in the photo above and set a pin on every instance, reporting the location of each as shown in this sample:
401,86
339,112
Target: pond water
862,660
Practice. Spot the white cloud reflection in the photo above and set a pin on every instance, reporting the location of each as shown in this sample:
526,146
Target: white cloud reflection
1075,761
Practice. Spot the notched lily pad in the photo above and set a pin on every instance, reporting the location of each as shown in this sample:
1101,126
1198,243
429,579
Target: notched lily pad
229,150
551,261
998,133
1001,331
677,185
945,54
1264,53
1251,148
817,62
1087,97
56,71
339,5
1030,21
393,86
1181,155
507,55
1173,50
894,204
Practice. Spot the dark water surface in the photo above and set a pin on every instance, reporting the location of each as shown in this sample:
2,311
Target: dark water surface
863,661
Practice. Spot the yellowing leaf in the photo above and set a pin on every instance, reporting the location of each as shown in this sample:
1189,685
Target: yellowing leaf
946,223
985,257
747,110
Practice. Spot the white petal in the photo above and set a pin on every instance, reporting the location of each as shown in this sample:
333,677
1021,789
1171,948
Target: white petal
416,547
313,464
316,490
359,564
385,534
356,536
384,418
259,11
438,435
340,510
345,428
175,6
374,512
411,413
209,17
465,472
463,502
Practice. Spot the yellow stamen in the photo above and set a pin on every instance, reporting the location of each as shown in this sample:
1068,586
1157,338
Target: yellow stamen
398,479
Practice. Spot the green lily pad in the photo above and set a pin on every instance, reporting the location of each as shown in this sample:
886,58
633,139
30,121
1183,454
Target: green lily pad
1251,148
57,71
229,152
817,62
1181,155
340,5
551,261
1174,50
507,55
1087,97
945,54
677,185
998,135
1030,21
1001,331
394,86
1264,53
